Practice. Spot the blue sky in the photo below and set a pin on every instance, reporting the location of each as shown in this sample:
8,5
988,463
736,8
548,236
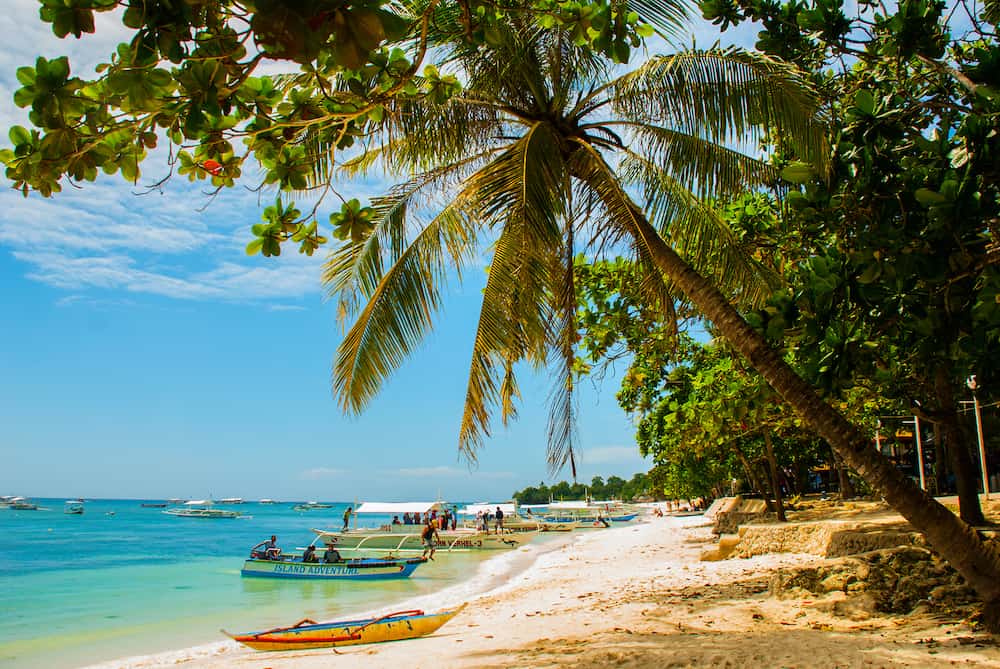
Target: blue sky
143,354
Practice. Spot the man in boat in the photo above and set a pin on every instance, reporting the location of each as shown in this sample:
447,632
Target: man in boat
331,554
267,550
428,537
309,554
347,519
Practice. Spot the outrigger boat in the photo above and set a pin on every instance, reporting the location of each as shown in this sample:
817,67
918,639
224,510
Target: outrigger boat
309,506
587,514
200,508
395,538
310,634
73,507
356,569
22,504
513,521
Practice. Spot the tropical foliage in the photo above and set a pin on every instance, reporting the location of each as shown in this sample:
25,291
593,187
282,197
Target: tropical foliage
898,291
613,488
522,140
191,76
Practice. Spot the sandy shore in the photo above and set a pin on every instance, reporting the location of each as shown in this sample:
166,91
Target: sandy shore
638,596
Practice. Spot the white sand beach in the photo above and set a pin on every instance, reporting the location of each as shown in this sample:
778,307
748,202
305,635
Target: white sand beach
638,596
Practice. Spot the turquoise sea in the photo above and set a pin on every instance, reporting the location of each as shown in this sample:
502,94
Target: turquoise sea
122,580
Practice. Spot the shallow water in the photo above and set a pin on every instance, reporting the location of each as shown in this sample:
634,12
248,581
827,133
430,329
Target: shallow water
76,590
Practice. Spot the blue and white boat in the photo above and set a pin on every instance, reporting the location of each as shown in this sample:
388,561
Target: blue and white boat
73,507
355,569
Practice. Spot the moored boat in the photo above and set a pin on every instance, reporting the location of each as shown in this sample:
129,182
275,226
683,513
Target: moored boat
588,514
310,634
357,569
513,520
153,505
73,507
200,508
22,504
400,541
230,500
310,506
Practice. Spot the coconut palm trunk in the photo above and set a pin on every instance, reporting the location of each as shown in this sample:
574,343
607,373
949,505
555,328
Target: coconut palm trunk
522,161
958,543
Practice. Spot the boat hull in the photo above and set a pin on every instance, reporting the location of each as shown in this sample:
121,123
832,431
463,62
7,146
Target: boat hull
400,542
202,513
351,570
395,627
590,521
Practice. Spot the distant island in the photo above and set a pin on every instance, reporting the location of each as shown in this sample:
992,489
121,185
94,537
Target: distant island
614,488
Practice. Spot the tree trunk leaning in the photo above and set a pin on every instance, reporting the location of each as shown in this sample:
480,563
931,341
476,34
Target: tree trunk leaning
953,539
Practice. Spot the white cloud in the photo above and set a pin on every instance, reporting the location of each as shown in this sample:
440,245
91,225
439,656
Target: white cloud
285,307
317,473
611,455
447,472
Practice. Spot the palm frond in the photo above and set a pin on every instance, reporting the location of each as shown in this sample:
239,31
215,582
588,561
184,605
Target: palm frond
669,17
400,309
727,96
522,191
707,169
353,271
423,135
563,335
697,232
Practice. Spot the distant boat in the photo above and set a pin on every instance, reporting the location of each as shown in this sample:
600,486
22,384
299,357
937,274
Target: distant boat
309,634
267,500
200,508
230,500
154,505
176,500
309,506
22,504
73,507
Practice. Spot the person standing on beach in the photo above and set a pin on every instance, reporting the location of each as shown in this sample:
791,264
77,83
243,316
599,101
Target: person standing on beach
347,519
428,537
499,516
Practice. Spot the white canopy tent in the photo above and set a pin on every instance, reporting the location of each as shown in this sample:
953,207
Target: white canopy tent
473,509
392,508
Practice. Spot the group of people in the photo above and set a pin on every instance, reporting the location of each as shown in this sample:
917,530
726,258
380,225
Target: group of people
269,550
485,518
448,519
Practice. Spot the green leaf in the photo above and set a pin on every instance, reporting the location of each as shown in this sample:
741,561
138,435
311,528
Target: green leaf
19,135
864,101
253,248
798,173
928,197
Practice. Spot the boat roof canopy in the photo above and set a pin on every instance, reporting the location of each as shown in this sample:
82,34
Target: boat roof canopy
400,507
471,510
572,504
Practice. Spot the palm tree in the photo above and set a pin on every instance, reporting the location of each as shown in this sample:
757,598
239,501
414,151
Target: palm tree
545,154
